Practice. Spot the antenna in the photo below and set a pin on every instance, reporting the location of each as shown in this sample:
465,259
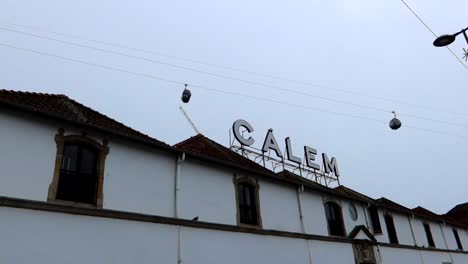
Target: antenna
189,120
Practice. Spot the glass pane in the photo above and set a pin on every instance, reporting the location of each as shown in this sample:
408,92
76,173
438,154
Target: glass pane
88,161
70,158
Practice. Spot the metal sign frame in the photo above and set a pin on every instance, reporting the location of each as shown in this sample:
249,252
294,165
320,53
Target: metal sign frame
282,164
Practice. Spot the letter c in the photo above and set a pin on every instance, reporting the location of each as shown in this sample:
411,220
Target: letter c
237,134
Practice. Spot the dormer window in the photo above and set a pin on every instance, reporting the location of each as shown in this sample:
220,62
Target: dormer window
79,170
334,219
248,209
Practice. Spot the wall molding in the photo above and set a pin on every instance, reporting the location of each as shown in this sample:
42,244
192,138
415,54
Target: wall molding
113,214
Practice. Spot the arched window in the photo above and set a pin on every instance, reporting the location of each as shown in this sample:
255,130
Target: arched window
334,219
248,210
392,234
79,171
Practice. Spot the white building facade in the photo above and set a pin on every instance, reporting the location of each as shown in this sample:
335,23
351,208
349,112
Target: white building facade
197,202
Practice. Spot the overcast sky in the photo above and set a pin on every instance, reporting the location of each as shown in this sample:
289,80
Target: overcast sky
350,51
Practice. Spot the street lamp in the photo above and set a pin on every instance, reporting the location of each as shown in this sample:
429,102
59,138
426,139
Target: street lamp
446,40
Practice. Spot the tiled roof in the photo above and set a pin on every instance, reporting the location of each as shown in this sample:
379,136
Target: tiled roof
61,107
459,208
202,146
424,212
458,214
384,202
352,193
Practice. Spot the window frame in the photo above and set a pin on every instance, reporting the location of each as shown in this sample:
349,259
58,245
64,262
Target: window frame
457,239
256,187
391,229
429,236
102,151
370,210
340,218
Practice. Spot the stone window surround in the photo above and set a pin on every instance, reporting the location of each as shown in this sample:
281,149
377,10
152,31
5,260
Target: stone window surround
243,179
103,150
338,203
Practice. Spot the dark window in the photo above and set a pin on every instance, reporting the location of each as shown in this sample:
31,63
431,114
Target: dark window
78,174
375,221
247,198
392,234
334,219
430,240
457,238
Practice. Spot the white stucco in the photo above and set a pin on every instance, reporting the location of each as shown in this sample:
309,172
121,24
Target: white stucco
27,156
437,257
329,252
315,221
397,255
350,224
403,229
138,179
421,239
54,238
280,208
207,192
214,247
142,179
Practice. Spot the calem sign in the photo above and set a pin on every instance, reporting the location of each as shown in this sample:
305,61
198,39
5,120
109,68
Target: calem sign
270,143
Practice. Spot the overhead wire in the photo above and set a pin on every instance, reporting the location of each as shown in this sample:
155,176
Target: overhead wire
344,102
381,98
432,31
258,98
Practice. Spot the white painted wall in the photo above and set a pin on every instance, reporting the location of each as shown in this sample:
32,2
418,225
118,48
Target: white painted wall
207,192
420,234
403,229
214,247
279,205
41,237
315,221
350,224
438,257
138,179
463,237
27,156
331,253
449,237
400,256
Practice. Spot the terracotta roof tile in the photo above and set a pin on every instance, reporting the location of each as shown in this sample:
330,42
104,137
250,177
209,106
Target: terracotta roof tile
355,194
61,107
384,202
203,146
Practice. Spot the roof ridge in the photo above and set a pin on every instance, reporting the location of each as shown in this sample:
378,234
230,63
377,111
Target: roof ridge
33,93
185,141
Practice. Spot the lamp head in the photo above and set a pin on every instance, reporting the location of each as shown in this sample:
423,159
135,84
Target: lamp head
444,40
